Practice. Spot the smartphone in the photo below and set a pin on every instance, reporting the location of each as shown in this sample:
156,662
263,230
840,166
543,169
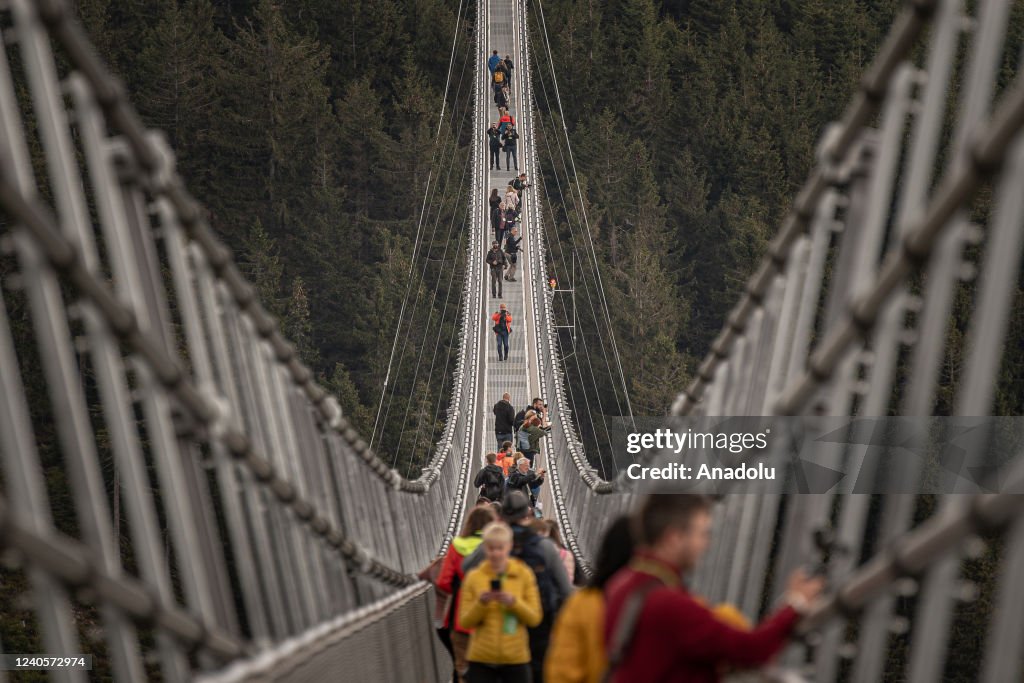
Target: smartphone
495,585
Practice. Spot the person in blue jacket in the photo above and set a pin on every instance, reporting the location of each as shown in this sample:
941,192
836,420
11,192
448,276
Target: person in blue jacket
492,63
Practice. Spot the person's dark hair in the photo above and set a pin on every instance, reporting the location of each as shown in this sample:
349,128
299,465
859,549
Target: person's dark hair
534,401
477,519
483,500
494,192
659,512
505,445
496,506
553,533
491,458
615,551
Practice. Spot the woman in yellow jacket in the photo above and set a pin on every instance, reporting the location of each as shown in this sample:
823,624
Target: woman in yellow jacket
499,602
576,652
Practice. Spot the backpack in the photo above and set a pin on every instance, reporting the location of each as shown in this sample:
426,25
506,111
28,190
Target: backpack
494,485
526,546
519,419
499,77
501,325
524,440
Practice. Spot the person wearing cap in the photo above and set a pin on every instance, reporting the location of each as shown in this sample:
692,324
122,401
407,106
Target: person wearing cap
498,263
541,555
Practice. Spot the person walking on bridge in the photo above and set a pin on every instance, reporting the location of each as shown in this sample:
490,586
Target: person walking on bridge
656,630
494,143
501,98
508,68
504,416
492,62
511,204
494,201
509,137
504,121
498,263
500,76
451,576
491,479
512,243
520,184
502,329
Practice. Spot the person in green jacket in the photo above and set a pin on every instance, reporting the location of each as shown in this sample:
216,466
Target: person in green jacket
451,576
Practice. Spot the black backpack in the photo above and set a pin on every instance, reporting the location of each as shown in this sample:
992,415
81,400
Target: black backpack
520,419
500,326
494,485
526,545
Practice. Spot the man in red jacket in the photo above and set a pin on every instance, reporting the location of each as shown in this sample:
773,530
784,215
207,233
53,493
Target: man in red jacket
675,638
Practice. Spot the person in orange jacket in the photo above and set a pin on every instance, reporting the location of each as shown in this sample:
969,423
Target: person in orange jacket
506,457
451,576
502,329
505,120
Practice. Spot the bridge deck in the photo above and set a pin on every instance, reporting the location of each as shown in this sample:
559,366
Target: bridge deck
518,374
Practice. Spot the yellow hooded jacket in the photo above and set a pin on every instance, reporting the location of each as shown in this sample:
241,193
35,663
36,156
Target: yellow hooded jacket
490,643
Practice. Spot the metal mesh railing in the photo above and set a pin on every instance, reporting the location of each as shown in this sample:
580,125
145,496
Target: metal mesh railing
384,641
220,500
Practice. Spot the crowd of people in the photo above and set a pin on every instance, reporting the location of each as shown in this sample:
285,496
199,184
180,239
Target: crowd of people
518,438
513,602
511,611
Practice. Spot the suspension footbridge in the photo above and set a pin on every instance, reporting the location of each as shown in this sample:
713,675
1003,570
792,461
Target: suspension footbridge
269,541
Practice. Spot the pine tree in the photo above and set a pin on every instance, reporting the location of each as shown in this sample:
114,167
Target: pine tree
277,120
298,327
262,266
177,89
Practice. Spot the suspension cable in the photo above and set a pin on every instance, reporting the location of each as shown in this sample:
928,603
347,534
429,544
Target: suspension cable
419,226
590,240
422,276
583,337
